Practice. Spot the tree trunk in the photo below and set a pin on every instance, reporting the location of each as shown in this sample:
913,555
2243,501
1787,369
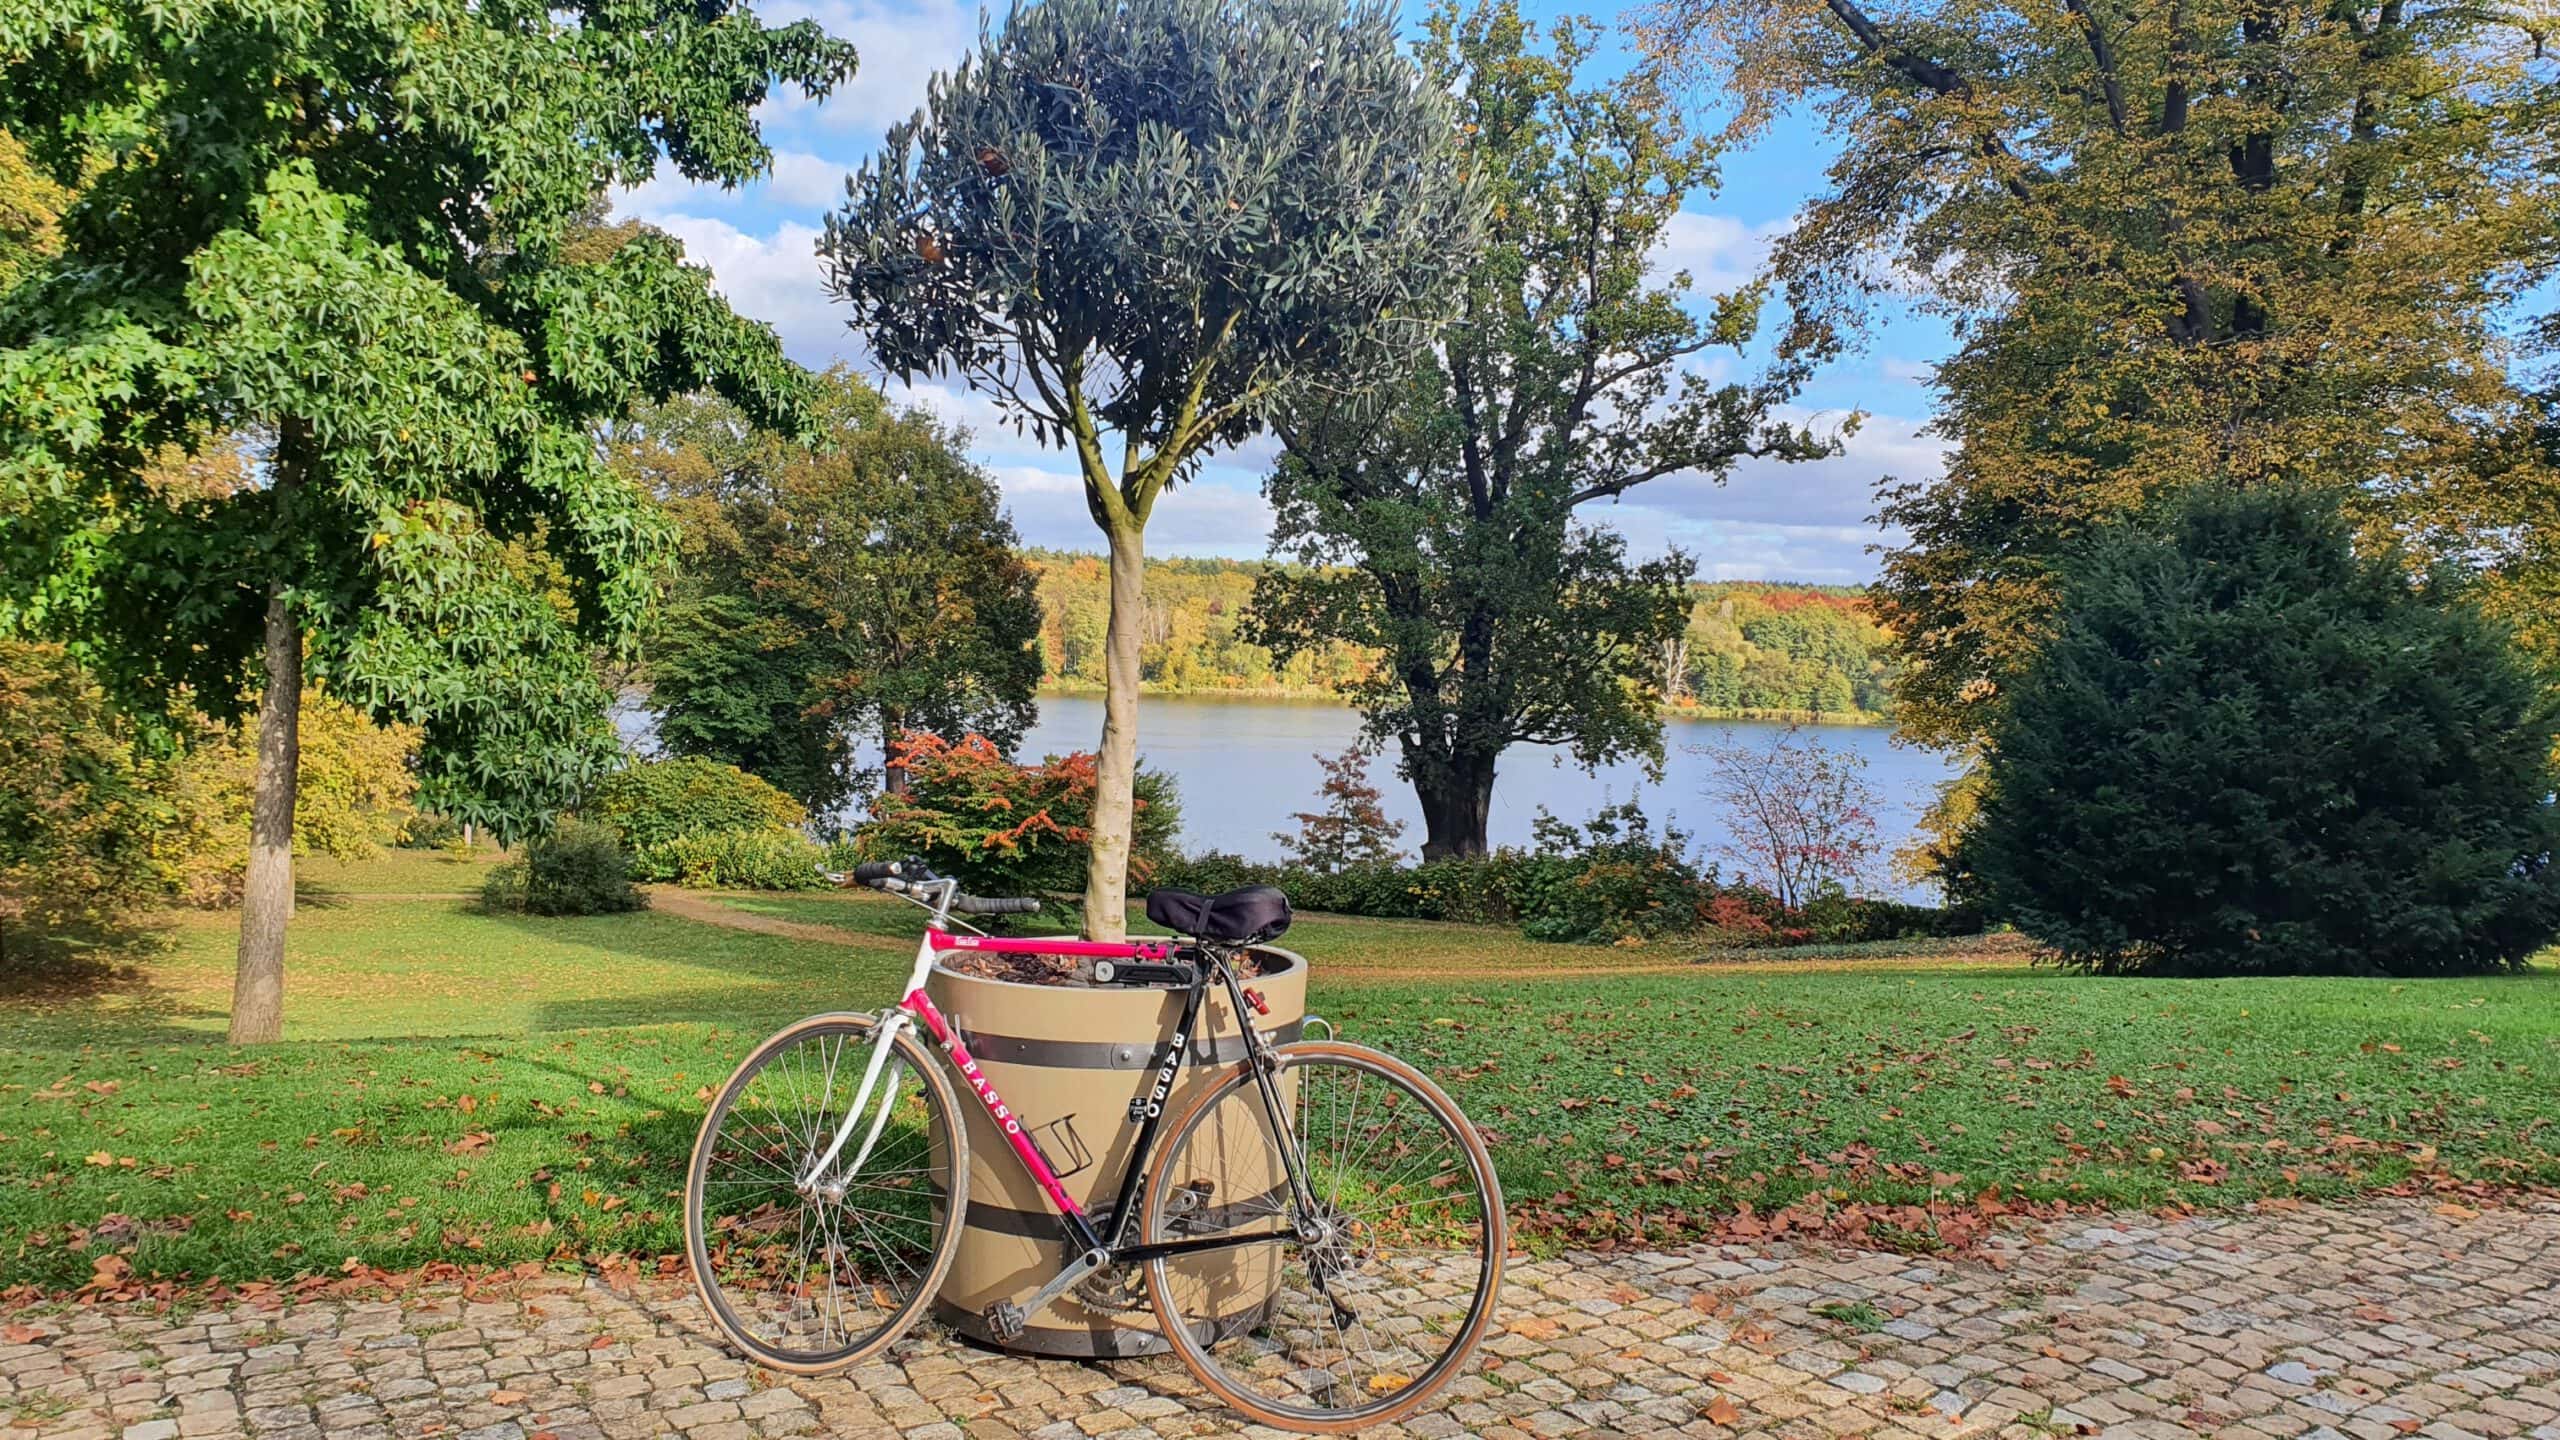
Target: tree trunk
1457,804
893,776
266,898
1106,876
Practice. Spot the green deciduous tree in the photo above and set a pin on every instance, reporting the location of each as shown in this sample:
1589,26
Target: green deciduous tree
2254,240
1447,533
1148,222
30,204
360,232
857,583
2249,749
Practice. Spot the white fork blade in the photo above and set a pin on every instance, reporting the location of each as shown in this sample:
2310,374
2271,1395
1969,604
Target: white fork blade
879,1122
862,1098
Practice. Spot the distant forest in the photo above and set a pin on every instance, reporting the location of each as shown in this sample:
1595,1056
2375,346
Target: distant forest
1752,648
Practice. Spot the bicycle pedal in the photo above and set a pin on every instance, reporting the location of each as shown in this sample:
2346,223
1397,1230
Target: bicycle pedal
1005,1320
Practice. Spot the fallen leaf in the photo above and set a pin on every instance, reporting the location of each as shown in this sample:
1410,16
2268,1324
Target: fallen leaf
1387,1384
1722,1411
506,1397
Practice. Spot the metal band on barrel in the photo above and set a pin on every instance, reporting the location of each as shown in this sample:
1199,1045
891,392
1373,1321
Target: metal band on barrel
1105,1055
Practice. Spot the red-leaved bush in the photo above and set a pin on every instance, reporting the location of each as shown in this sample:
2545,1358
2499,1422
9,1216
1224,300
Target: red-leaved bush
1005,828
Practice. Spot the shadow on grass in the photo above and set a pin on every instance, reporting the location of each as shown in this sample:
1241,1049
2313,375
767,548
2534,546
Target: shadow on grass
70,986
758,980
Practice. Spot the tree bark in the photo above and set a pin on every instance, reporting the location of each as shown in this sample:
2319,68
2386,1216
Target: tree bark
1457,805
893,776
266,897
1106,880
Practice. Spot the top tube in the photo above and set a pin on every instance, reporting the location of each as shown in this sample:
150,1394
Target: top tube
1034,945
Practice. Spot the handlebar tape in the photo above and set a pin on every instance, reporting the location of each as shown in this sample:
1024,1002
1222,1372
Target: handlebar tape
974,905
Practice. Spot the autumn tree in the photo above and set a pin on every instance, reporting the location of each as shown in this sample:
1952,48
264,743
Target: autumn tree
1351,829
1800,817
1452,533
1141,225
383,270
2254,241
854,584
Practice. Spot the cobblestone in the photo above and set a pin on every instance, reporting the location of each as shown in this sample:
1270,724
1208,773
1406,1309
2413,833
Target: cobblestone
2360,1323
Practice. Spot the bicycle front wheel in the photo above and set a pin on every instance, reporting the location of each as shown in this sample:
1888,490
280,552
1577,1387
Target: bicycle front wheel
811,1278
1360,1307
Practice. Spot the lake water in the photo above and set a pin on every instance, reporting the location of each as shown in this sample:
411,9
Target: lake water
1244,766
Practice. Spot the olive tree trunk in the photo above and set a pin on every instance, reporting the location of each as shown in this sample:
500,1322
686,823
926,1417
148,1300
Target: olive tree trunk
1106,877
266,897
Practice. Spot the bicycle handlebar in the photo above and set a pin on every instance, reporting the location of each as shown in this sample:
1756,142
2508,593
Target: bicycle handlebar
907,876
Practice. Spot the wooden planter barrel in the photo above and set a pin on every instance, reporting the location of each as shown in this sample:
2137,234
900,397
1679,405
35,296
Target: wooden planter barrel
1072,1058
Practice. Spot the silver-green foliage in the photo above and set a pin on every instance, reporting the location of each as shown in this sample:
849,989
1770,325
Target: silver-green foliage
1157,216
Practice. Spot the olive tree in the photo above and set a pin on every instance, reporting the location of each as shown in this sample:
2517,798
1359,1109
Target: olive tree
1141,225
362,234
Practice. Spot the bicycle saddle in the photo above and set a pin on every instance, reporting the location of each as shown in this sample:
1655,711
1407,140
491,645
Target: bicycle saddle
1240,917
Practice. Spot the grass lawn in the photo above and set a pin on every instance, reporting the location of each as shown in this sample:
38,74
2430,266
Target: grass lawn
463,1086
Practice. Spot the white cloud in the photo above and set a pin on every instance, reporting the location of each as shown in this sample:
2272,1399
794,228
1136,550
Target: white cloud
1720,253
774,279
899,46
1209,516
1773,520
807,182
1907,372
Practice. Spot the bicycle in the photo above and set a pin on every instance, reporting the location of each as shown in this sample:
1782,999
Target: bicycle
1345,1296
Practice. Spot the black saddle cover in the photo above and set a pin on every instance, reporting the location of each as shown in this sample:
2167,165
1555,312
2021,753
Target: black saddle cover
1240,917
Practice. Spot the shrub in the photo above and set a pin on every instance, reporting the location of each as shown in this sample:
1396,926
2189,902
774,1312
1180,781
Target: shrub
503,891
579,868
76,814
2251,749
771,858
650,802
1003,828
1609,879
1836,918
428,830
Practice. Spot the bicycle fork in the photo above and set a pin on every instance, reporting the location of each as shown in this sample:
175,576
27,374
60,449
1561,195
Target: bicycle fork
893,1024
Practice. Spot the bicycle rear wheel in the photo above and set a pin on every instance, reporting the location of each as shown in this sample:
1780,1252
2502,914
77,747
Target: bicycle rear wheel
1358,1310
814,1281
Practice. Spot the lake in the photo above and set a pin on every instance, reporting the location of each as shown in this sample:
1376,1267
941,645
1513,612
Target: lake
1244,766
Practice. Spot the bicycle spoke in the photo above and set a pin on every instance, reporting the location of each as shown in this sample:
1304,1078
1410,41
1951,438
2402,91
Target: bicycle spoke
1388,1295
804,1277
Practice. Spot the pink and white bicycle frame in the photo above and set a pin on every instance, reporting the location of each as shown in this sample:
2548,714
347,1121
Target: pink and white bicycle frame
918,1008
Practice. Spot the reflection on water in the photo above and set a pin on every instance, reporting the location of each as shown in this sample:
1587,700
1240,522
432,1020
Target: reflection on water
1243,767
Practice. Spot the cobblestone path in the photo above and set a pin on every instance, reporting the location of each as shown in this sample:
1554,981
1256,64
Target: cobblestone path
2375,1321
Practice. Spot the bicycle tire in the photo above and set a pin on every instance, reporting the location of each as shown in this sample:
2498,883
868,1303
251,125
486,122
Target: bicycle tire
942,1124
1196,1349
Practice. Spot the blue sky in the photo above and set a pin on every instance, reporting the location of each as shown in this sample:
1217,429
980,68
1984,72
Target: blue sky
1794,522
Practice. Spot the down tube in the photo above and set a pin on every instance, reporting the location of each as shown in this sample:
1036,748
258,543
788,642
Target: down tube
920,1005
